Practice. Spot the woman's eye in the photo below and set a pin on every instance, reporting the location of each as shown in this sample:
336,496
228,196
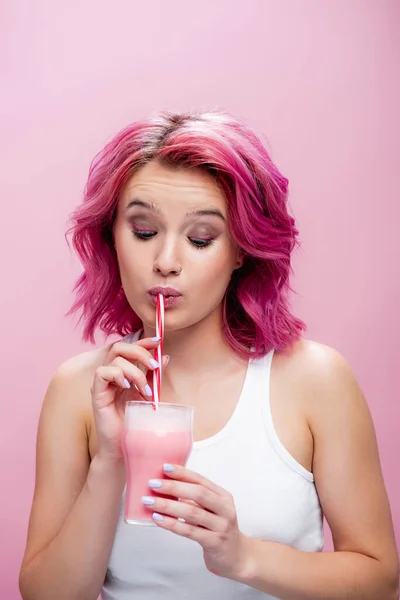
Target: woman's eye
198,243
142,234
145,234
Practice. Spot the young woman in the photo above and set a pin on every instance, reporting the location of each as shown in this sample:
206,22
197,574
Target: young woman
192,204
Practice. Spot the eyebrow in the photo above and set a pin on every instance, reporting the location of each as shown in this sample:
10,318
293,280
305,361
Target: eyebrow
192,213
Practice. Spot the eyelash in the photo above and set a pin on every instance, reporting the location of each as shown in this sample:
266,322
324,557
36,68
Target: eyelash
142,236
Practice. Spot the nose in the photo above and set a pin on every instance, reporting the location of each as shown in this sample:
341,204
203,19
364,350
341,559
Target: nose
166,272
166,262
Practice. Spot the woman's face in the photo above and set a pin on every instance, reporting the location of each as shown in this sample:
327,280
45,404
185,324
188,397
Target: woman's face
171,231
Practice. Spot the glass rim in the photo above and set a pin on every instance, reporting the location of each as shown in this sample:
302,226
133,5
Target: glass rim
149,403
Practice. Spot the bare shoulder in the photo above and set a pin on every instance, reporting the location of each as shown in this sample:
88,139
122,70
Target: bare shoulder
318,373
69,388
78,371
332,401
81,365
310,384
318,359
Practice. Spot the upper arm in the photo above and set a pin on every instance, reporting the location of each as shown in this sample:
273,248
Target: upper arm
62,459
346,463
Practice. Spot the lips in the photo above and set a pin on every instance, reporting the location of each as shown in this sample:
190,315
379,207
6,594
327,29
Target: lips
169,299
166,292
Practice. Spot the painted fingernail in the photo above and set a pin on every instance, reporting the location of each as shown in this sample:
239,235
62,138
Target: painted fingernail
167,359
155,483
153,363
148,500
148,390
157,517
168,468
126,383
156,339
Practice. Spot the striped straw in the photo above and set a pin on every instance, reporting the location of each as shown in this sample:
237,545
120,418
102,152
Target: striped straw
157,373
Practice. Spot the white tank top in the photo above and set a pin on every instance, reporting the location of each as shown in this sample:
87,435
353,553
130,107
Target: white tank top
275,499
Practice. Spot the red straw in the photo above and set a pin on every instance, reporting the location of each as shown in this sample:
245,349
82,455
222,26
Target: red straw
157,373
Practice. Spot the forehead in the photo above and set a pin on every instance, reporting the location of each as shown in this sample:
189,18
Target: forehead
158,183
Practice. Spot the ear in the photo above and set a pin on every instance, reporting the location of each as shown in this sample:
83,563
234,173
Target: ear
239,260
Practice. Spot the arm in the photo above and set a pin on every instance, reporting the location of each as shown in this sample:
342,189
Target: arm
76,504
349,482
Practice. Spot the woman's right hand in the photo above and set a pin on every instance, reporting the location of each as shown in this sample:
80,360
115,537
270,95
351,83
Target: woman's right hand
114,383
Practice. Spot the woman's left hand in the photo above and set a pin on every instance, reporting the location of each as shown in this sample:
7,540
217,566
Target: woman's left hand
210,519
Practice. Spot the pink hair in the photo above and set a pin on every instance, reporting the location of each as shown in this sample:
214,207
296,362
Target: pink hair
255,306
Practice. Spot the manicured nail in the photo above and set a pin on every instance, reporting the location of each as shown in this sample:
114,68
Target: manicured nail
154,363
148,390
126,383
157,517
156,339
148,500
155,483
167,359
168,468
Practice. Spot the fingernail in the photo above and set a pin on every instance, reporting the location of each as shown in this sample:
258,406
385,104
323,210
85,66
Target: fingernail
167,359
156,339
168,468
157,517
148,500
126,383
155,483
148,390
153,363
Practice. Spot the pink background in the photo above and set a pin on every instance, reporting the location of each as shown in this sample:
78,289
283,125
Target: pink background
315,77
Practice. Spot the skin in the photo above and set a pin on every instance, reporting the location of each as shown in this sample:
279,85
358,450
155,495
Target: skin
319,412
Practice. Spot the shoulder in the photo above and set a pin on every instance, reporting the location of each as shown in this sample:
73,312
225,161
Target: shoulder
315,367
317,390
321,380
68,401
81,365
316,358
71,382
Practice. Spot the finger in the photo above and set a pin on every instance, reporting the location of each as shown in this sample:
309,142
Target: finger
184,474
134,376
202,496
104,377
134,353
148,342
198,534
191,502
148,373
191,513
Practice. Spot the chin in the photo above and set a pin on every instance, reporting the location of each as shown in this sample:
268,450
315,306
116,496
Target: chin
171,322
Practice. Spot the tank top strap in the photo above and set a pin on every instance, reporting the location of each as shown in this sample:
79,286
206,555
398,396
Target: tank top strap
247,418
264,398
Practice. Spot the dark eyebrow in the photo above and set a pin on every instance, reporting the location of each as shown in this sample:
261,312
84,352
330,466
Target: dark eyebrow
143,204
193,213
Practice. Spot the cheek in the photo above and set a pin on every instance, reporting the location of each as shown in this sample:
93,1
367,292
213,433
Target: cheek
130,257
216,271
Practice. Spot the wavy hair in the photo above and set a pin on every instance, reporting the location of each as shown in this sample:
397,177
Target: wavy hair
255,310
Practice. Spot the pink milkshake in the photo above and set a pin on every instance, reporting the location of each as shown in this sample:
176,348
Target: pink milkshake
150,439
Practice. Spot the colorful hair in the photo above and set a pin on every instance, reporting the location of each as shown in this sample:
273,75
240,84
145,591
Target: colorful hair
255,306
